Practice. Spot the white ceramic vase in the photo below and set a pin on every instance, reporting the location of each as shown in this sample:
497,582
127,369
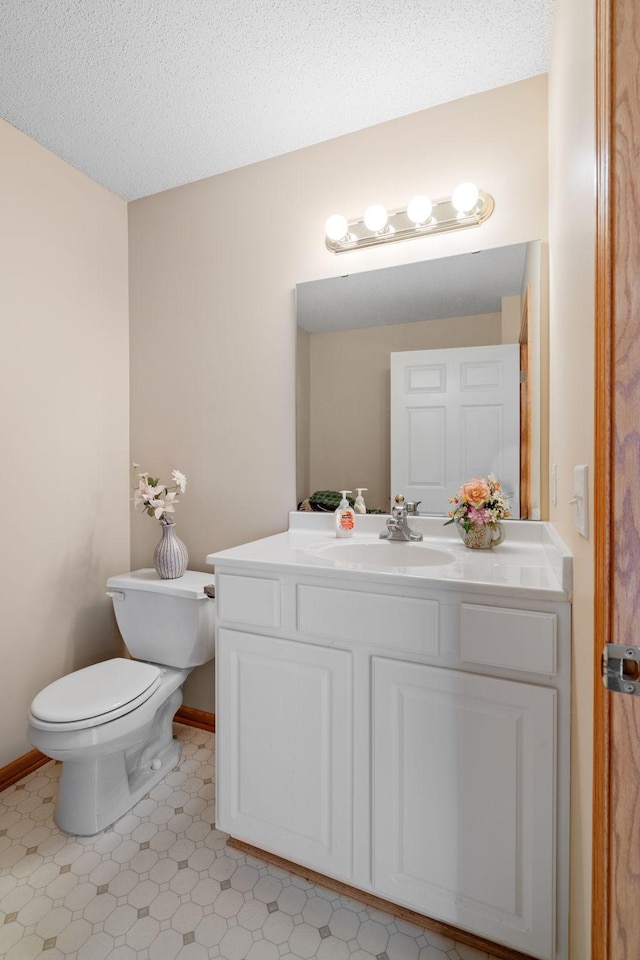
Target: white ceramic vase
170,558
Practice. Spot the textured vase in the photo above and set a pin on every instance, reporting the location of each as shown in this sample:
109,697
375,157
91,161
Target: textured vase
170,558
482,537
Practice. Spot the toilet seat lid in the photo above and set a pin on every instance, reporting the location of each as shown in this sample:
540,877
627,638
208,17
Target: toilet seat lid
92,692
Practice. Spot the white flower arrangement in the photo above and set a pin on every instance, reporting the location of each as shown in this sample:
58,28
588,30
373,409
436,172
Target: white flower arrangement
158,499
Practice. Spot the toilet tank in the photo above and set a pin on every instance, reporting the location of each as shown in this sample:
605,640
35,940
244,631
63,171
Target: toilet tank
170,622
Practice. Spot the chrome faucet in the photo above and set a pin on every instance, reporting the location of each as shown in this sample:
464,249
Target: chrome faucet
397,526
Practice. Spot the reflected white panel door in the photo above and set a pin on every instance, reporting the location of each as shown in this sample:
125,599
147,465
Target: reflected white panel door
455,414
284,747
464,800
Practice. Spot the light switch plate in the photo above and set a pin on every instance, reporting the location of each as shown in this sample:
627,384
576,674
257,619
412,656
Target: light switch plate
580,499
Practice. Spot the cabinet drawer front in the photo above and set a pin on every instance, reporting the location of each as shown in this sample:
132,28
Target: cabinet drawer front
401,622
516,639
250,600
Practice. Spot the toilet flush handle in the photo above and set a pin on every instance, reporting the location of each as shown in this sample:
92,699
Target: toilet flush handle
116,594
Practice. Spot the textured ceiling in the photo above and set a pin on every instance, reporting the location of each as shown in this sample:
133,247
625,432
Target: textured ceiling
143,95
460,286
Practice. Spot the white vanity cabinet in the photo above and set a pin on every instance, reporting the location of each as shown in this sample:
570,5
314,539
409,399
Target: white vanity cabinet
408,738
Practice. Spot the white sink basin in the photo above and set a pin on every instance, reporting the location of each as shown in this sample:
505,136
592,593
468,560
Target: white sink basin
384,554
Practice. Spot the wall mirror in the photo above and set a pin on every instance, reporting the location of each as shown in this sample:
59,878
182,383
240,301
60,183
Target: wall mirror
348,326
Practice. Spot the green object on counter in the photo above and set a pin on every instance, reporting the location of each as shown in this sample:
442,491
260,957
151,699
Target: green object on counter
326,501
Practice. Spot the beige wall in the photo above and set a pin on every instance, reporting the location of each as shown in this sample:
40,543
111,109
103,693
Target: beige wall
571,396
511,319
213,267
350,422
64,424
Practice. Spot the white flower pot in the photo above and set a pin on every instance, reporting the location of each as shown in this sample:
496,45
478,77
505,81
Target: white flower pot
480,537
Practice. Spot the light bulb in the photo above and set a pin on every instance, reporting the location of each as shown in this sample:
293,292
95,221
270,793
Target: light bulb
419,209
464,197
375,218
337,227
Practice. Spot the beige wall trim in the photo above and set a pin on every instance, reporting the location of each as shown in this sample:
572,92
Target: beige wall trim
191,717
19,768
378,903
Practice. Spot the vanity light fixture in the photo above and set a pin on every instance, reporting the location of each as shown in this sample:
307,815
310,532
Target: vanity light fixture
337,228
465,197
466,207
376,219
419,210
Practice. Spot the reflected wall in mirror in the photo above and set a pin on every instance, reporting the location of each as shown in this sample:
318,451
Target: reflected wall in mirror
348,327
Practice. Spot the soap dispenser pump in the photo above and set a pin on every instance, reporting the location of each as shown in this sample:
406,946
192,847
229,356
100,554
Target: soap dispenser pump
345,517
360,506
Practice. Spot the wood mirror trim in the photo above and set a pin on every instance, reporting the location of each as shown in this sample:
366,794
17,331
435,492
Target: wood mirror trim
525,410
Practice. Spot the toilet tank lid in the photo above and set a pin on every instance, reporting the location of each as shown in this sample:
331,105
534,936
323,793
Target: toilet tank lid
191,585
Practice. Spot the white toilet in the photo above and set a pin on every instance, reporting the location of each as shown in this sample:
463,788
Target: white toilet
111,723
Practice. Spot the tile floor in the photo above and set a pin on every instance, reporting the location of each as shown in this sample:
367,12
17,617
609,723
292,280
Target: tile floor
161,884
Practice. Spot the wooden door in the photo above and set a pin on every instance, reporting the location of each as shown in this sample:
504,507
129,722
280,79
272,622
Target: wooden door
616,862
455,414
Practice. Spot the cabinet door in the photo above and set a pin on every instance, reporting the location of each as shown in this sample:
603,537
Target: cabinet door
464,800
284,748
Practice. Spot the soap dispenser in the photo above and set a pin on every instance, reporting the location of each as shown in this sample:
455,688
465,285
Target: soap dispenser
345,517
360,506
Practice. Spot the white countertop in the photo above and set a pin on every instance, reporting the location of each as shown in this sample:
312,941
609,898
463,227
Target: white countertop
531,562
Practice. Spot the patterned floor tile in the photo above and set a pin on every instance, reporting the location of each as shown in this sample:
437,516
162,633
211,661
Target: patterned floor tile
161,884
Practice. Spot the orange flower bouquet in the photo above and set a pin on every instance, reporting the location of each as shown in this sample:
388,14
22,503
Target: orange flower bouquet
478,503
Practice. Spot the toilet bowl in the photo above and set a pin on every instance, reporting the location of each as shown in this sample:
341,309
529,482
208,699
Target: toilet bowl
111,724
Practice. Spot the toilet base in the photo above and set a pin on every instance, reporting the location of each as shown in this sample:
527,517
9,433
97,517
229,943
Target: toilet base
94,793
